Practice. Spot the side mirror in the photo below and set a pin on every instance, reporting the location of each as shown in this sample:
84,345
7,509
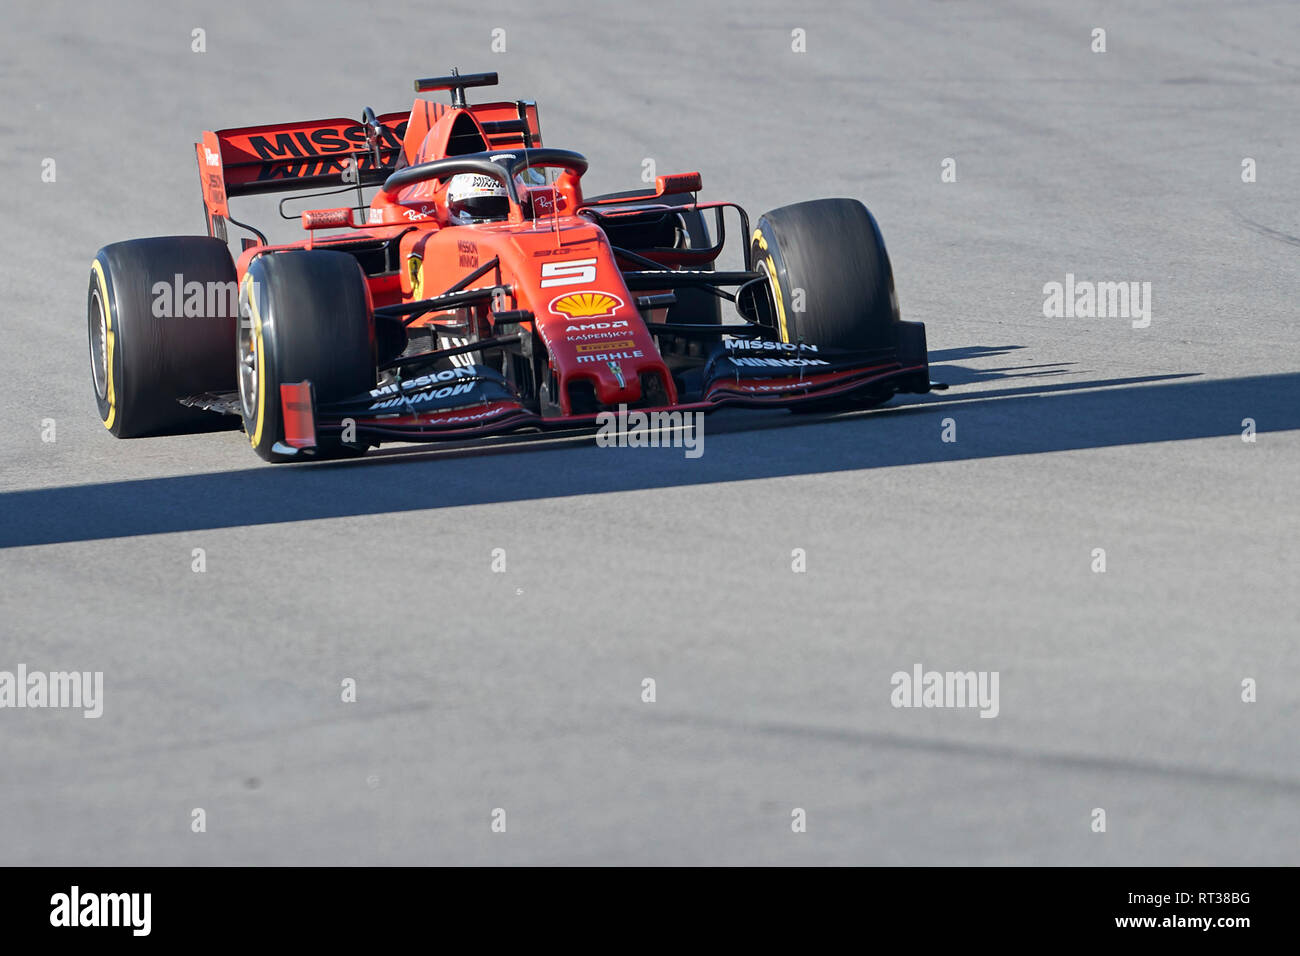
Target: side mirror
678,183
340,218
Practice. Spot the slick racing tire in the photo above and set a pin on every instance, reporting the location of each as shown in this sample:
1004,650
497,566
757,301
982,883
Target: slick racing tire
829,275
304,316
161,324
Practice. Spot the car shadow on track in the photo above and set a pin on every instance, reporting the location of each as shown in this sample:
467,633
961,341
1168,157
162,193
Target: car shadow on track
739,446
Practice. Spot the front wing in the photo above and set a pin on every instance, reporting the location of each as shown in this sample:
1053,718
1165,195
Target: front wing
461,403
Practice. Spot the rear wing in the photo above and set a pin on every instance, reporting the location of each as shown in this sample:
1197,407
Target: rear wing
286,157
289,156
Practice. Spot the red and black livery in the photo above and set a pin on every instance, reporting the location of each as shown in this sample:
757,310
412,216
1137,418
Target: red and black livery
389,321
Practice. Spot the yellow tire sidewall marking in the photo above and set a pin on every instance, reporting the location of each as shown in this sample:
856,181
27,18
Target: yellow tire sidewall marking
256,436
110,390
770,266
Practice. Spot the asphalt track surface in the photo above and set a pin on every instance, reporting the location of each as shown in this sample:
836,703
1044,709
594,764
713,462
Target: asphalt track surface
522,690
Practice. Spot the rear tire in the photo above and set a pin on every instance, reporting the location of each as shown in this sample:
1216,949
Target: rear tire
143,355
305,315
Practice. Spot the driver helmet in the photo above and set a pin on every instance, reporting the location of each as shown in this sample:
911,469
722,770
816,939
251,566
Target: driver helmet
475,197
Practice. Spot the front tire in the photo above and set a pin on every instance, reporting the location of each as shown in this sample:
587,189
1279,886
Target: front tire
153,339
304,316
829,274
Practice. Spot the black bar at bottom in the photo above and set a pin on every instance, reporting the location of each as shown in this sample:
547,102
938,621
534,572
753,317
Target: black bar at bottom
930,907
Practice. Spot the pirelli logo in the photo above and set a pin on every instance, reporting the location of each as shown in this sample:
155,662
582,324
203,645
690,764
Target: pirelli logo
605,346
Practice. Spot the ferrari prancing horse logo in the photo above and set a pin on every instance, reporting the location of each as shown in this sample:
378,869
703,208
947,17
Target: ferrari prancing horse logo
413,264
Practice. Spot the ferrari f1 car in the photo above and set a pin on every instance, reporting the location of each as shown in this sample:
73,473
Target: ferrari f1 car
479,291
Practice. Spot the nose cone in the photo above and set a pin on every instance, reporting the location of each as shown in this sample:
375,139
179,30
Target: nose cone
618,379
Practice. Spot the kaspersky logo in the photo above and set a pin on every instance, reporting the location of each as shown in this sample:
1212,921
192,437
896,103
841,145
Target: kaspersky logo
586,305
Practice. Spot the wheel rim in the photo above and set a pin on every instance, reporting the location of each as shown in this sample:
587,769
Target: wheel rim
769,285
98,344
248,359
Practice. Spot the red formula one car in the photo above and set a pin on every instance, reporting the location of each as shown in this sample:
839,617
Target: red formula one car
480,292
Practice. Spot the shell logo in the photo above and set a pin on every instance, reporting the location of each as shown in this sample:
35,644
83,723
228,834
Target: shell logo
586,305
